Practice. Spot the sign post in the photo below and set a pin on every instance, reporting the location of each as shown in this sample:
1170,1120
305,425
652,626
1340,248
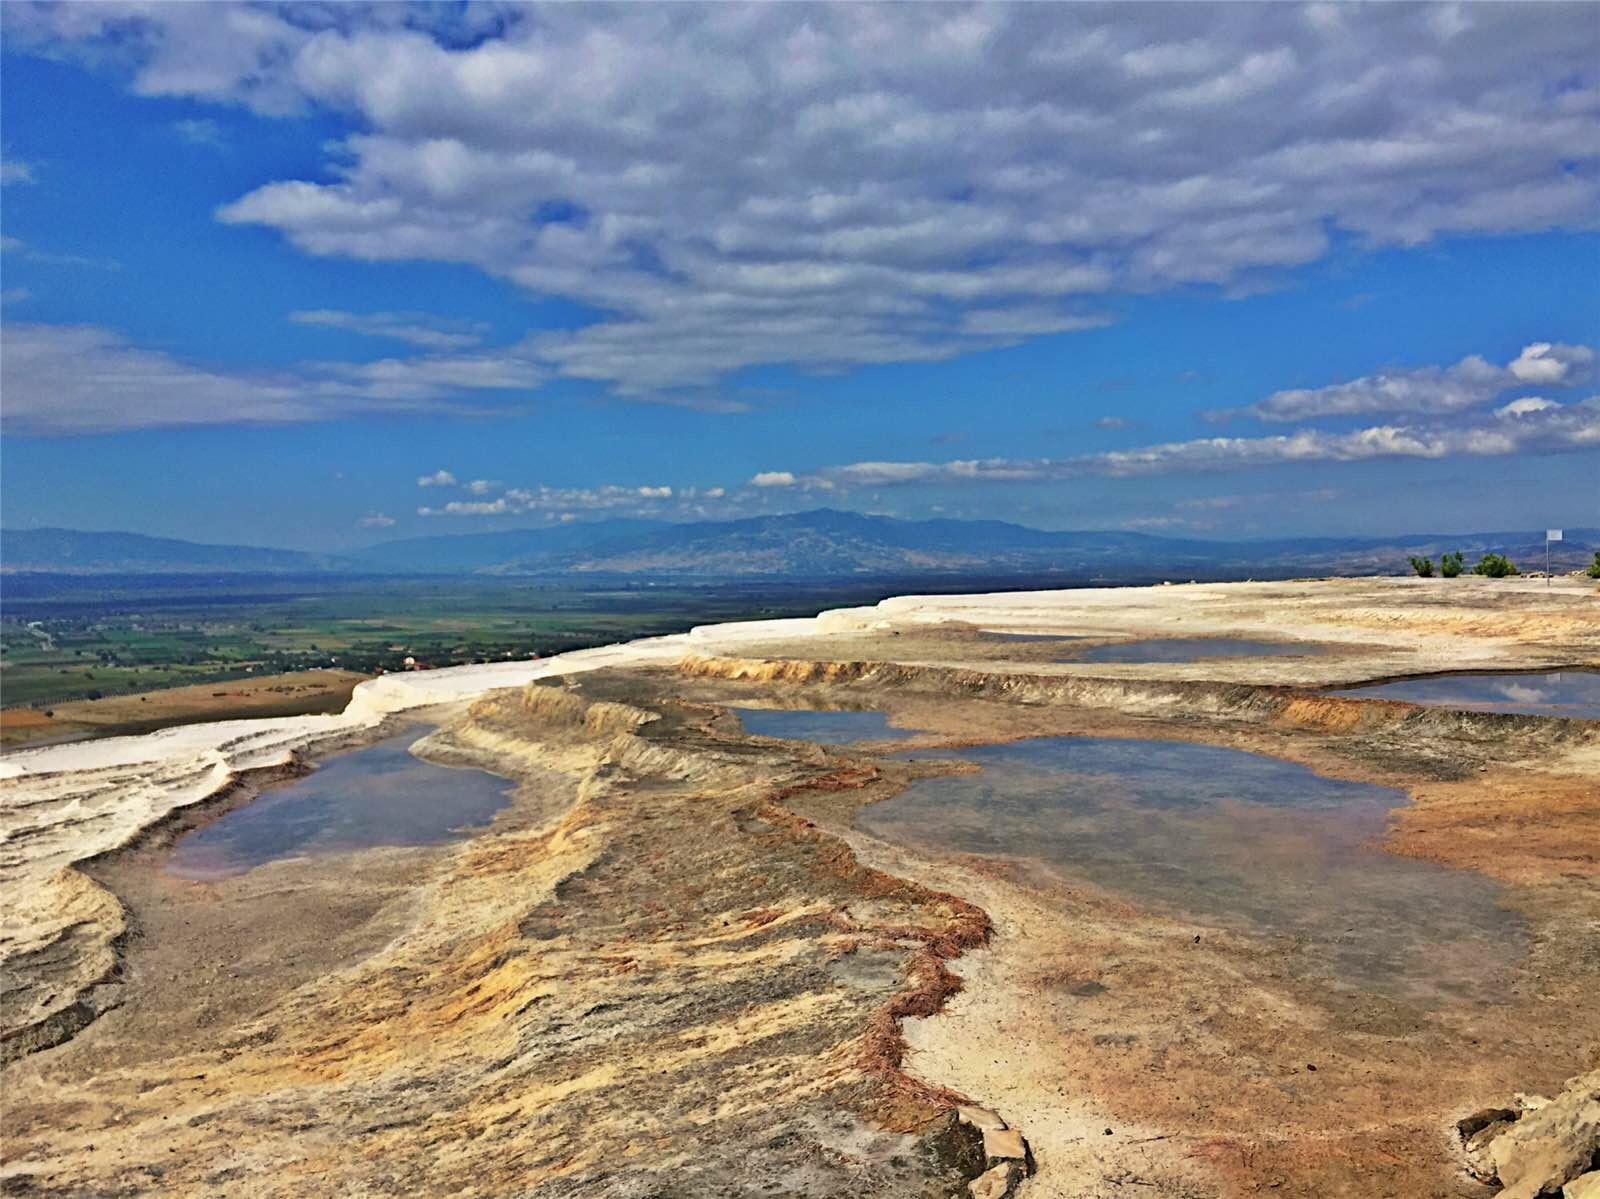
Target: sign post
1549,536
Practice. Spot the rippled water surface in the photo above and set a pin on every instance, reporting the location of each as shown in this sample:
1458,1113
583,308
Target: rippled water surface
380,795
1541,693
825,728
1224,837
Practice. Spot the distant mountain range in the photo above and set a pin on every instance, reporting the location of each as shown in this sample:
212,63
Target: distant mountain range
823,544
69,551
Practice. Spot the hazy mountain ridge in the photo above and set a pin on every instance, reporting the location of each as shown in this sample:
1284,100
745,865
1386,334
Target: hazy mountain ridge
73,551
820,544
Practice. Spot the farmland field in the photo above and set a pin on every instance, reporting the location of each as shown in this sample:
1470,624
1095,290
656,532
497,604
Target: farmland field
81,641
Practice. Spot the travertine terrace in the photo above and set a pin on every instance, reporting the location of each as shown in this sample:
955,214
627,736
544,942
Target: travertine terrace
676,964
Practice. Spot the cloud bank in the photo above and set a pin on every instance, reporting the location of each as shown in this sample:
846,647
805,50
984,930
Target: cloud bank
1518,428
830,186
1428,390
64,380
1528,425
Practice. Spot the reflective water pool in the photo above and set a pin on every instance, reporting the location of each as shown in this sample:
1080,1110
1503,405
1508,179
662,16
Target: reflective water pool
1233,839
825,728
1189,649
380,795
1539,693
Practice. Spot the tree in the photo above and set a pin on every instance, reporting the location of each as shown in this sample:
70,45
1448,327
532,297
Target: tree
1450,564
1495,566
1594,571
1423,566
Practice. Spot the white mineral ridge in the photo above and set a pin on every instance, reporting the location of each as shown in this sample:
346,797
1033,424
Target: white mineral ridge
60,804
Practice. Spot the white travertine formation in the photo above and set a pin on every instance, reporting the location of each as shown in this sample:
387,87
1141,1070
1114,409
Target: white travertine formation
62,804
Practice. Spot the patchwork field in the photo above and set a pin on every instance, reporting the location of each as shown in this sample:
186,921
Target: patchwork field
75,640
301,693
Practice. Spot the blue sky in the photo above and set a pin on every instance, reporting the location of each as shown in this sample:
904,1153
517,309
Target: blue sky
1224,271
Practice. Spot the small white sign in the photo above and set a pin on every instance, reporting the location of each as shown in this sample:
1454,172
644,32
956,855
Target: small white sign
1552,534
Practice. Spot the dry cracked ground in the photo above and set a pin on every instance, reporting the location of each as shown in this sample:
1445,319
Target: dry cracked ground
679,963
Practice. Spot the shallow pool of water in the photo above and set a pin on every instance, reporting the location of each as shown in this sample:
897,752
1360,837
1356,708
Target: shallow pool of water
1190,649
823,727
1539,693
380,795
1245,842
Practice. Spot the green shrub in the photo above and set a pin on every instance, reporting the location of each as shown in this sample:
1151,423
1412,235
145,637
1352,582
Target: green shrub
1495,566
1423,566
1450,564
1594,570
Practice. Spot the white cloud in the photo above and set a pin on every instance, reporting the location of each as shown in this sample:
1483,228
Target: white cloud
15,245
1545,364
414,328
68,379
566,502
74,379
200,131
484,486
828,186
1427,390
1525,405
375,520
1555,428
1026,321
773,478
469,508
439,478
432,376
14,171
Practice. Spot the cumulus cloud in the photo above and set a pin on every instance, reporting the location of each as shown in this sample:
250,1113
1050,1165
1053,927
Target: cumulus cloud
484,486
375,520
773,478
1427,390
1544,363
439,478
414,328
829,186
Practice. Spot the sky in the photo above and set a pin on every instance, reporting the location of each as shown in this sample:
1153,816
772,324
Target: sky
321,275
